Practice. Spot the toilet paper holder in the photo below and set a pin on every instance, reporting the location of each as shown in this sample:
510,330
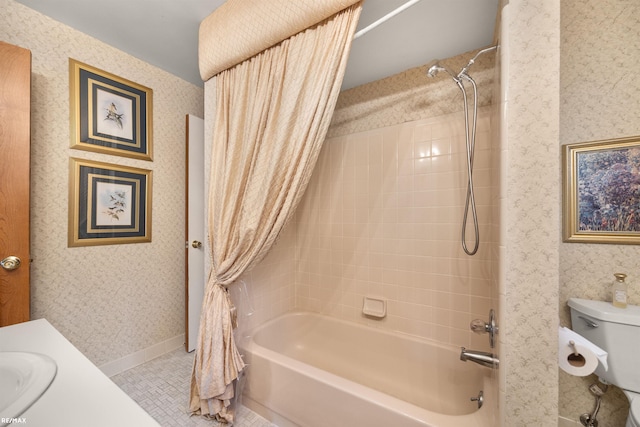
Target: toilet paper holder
575,359
572,344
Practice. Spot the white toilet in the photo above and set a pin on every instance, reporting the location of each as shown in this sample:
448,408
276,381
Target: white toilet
616,331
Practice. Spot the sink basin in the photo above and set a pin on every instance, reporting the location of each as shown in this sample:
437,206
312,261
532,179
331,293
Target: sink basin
25,377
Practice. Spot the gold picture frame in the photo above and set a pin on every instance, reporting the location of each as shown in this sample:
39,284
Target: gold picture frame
108,204
109,114
601,202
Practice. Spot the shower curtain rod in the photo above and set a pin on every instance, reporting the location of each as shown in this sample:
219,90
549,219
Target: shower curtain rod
385,18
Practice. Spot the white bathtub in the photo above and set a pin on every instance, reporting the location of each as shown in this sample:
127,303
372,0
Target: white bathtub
310,370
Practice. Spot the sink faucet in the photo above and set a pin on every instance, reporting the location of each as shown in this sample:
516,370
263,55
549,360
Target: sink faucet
480,357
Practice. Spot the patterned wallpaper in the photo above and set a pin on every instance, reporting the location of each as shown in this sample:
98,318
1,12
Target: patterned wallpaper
600,99
530,213
109,301
409,96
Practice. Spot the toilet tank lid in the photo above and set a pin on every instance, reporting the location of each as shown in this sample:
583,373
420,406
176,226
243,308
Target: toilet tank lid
604,310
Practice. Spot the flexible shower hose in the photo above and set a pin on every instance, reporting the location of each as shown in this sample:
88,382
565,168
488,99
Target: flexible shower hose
470,137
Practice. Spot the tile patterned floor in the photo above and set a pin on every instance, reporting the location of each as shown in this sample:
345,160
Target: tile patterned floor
161,387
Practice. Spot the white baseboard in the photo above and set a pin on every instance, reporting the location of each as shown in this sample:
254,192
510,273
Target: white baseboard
566,422
139,357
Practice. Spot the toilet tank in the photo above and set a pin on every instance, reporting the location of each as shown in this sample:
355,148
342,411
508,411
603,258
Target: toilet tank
615,330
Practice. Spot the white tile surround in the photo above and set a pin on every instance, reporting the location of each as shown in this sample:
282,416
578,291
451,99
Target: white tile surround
370,221
382,217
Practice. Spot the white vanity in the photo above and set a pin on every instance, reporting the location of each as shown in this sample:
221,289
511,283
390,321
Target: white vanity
79,395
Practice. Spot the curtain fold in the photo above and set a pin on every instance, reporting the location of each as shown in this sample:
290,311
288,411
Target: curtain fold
273,112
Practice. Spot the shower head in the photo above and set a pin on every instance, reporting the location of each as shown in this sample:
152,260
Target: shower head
436,68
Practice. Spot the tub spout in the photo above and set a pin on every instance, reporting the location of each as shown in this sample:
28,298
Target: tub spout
480,357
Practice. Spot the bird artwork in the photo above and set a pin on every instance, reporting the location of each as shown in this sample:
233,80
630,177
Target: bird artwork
112,114
117,205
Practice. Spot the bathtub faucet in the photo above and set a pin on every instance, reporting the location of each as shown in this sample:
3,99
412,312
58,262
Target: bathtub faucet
480,357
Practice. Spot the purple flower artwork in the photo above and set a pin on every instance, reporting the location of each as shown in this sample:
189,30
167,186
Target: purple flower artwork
609,190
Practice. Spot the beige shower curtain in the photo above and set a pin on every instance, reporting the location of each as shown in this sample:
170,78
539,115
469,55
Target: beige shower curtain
273,112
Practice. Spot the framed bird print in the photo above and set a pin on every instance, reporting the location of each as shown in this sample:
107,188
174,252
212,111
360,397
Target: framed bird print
109,114
108,204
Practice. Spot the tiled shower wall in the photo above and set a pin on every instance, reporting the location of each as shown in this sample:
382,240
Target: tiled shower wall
382,214
382,217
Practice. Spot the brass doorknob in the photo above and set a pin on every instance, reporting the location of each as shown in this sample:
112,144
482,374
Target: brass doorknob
10,263
196,244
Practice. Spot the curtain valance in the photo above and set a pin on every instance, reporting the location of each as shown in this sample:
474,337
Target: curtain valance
240,29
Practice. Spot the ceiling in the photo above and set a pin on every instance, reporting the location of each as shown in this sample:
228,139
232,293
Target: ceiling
165,32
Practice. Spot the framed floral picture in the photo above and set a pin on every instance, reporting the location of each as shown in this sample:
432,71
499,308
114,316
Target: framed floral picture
602,191
108,204
109,114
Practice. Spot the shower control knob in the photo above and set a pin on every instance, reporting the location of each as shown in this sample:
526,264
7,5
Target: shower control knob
479,326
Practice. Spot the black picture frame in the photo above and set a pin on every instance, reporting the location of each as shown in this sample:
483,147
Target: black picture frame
109,114
108,204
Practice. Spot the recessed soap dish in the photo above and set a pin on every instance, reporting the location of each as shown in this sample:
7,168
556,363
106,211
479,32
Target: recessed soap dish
374,307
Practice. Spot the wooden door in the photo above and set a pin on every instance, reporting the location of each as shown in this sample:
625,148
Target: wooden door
15,118
195,230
